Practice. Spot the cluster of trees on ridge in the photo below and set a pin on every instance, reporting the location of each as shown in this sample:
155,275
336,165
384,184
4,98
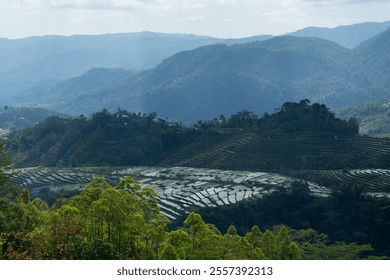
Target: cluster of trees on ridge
124,138
124,222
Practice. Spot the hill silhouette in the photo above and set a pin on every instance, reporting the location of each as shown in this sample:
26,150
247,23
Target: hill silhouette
348,36
299,136
47,60
259,76
374,55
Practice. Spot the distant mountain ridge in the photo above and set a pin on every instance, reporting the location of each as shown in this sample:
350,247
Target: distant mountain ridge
64,92
46,60
38,61
219,79
348,36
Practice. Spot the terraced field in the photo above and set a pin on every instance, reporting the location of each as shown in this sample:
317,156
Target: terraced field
182,189
179,189
374,181
250,151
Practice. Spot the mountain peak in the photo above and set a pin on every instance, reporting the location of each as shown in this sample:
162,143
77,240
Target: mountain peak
348,36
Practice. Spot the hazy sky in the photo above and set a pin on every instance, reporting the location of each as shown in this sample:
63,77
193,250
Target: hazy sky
217,18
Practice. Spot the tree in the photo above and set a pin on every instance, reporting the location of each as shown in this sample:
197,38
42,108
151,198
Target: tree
232,230
10,212
28,236
196,228
286,250
168,253
5,161
254,237
235,247
268,245
181,242
116,222
202,238
67,230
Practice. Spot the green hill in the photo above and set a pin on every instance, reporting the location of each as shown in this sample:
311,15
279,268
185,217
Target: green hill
65,93
259,76
348,36
46,60
222,167
219,79
257,73
300,136
374,56
373,117
21,117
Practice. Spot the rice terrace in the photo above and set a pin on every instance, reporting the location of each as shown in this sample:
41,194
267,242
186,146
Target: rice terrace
165,146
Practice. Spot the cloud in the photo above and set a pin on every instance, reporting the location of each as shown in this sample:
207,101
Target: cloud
126,4
99,4
80,4
218,18
342,2
192,19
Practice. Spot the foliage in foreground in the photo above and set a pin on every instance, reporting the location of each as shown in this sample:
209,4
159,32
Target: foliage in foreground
347,215
124,222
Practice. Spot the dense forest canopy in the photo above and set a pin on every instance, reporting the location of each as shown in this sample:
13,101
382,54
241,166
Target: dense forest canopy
124,222
124,138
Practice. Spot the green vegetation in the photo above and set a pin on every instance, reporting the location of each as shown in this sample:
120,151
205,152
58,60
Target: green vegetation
77,87
12,118
38,63
347,215
105,139
257,76
124,222
124,138
348,36
373,117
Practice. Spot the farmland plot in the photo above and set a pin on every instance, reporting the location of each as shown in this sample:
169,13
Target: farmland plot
180,189
375,182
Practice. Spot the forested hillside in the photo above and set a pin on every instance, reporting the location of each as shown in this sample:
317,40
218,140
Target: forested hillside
13,118
40,62
374,56
259,76
64,93
339,213
348,36
373,117
124,138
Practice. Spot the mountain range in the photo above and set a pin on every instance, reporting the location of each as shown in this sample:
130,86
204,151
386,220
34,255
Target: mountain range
348,36
220,77
44,61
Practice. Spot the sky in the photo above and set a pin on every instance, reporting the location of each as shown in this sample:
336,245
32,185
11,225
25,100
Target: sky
216,18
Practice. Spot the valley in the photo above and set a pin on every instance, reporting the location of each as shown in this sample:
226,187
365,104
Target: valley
152,138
